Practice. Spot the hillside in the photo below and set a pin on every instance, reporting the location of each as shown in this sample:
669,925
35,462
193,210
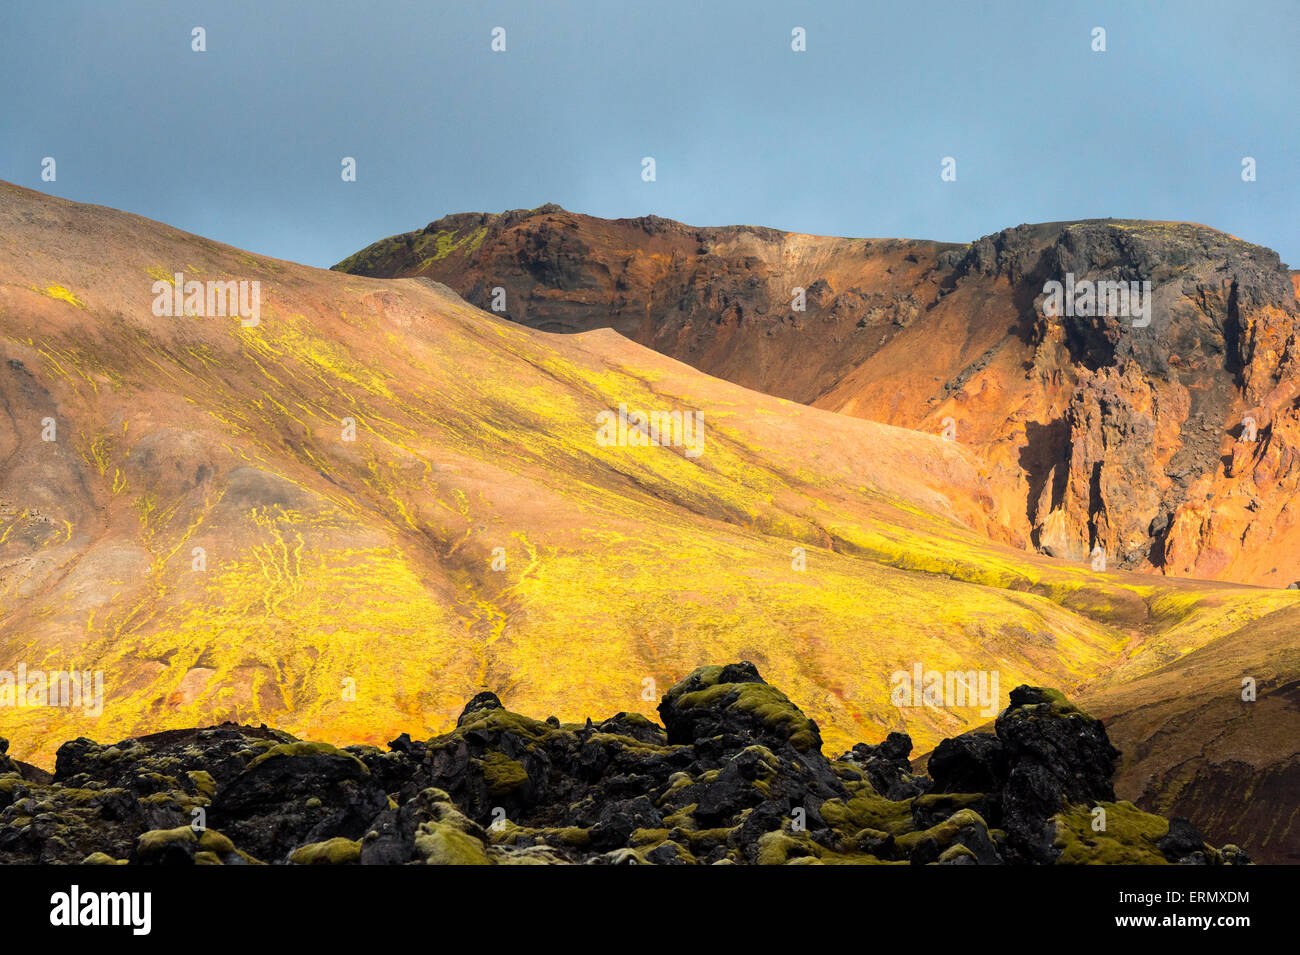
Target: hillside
203,527
1093,432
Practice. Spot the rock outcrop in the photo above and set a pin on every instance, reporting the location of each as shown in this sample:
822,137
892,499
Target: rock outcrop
735,775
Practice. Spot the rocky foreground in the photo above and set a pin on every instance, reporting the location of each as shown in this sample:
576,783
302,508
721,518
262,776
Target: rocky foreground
735,775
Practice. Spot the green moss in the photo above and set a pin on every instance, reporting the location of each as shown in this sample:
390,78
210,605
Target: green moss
949,802
203,782
769,704
81,797
704,841
161,799
955,852
570,836
444,844
561,837
683,818
868,810
1059,704
943,833
495,721
102,858
647,837
156,840
304,748
336,851
1129,839
502,774
682,855
782,848
629,744
857,858
213,841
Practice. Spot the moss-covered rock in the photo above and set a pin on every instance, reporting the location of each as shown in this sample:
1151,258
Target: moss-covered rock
736,775
444,844
336,851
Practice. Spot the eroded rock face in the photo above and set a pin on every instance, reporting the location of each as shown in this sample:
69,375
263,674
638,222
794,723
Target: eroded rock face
1103,435
735,775
1152,410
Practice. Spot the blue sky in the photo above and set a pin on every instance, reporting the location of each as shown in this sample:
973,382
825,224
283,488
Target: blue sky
243,143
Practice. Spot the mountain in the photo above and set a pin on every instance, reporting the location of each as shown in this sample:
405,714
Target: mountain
1093,432
736,775
376,501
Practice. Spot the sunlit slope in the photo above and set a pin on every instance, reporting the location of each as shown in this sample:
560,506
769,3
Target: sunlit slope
1091,430
348,590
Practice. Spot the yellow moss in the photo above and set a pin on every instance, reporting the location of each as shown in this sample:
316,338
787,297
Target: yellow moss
62,294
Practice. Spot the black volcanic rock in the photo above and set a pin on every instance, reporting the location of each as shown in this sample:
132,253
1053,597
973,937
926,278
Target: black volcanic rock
970,763
735,775
887,768
297,793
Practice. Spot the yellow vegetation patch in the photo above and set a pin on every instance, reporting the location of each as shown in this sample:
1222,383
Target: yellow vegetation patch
62,294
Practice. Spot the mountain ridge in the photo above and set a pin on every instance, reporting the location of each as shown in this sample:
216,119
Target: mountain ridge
1064,410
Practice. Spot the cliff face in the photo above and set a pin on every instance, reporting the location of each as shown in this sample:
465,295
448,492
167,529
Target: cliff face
1137,419
1106,433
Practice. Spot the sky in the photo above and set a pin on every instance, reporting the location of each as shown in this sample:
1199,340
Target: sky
244,142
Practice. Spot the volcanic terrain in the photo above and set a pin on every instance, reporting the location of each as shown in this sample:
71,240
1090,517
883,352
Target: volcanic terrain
1092,432
379,500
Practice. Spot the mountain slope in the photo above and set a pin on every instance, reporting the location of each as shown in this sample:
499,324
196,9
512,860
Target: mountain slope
1094,433
352,590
